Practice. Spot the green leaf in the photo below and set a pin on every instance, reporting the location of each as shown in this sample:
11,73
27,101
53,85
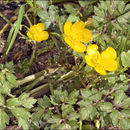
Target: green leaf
2,77
73,116
45,102
55,119
2,99
23,123
28,103
84,103
23,96
125,59
121,7
84,113
85,93
72,97
43,4
11,78
124,123
66,109
13,102
4,119
73,18
42,14
53,13
6,88
114,117
107,107
126,103
70,9
20,18
126,113
119,96
20,112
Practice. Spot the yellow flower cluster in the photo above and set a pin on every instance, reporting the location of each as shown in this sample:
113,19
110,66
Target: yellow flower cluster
37,32
76,34
101,62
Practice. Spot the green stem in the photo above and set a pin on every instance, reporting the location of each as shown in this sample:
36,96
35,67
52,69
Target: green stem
1,15
83,83
30,78
33,55
26,16
80,125
51,88
65,77
34,14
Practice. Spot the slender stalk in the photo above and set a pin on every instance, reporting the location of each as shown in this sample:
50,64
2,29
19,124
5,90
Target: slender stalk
7,25
26,16
34,14
51,88
65,77
1,15
33,56
83,83
80,125
30,77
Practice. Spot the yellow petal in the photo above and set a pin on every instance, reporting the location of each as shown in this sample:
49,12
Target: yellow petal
67,28
88,59
75,45
92,49
110,65
78,25
44,35
109,53
40,26
87,35
68,40
79,47
29,35
33,28
100,70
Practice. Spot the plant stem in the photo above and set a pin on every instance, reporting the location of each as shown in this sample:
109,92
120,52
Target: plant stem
33,54
34,14
82,81
1,15
6,25
65,77
26,16
30,77
51,88
80,125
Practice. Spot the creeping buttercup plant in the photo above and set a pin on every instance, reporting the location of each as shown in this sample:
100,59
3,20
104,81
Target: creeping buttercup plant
86,81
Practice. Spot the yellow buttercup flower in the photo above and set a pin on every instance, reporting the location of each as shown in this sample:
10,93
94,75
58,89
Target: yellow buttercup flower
101,62
76,34
37,32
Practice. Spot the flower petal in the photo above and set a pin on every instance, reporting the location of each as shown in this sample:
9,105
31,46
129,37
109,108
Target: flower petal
29,34
40,26
88,59
78,25
79,47
86,36
110,65
67,28
100,70
75,45
44,35
92,49
109,53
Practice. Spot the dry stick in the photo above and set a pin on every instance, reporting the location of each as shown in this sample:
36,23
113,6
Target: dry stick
1,15
44,87
7,25
36,75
